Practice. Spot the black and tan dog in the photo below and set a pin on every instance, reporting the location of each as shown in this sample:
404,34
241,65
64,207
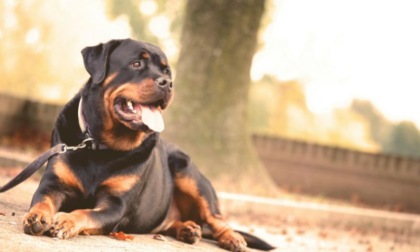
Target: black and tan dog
134,182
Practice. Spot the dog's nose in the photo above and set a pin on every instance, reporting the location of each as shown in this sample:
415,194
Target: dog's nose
164,82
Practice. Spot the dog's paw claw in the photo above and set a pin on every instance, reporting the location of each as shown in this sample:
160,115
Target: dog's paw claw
232,241
64,226
36,223
189,233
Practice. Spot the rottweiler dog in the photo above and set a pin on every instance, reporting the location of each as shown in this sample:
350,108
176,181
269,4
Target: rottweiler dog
130,180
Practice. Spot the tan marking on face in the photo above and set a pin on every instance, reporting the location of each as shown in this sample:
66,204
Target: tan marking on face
164,63
138,92
145,55
66,175
110,78
121,184
124,139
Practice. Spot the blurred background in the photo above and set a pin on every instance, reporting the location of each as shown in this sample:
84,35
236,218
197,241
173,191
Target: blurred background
331,89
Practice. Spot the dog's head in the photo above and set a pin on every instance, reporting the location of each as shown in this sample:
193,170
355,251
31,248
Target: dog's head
131,81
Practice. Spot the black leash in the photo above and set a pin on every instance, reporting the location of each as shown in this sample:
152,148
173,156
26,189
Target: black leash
40,161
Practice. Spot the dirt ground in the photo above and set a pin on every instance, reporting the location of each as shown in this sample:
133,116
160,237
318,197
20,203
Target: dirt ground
285,232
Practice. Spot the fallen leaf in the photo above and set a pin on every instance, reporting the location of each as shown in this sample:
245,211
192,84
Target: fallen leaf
300,231
323,234
121,236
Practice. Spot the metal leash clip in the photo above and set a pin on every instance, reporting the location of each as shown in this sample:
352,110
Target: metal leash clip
82,145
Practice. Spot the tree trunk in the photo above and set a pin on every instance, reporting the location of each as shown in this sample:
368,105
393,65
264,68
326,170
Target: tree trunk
208,118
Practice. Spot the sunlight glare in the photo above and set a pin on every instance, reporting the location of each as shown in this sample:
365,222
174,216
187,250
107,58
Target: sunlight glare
10,3
342,50
51,91
148,7
32,36
171,48
159,26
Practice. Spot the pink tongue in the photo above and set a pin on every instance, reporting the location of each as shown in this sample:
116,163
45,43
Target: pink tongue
152,118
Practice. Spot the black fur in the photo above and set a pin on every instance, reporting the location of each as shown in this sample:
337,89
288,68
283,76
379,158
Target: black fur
134,183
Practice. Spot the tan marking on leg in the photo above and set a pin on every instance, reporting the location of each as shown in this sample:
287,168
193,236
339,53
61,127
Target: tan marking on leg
46,205
66,175
188,231
222,232
232,241
68,225
189,187
121,184
39,218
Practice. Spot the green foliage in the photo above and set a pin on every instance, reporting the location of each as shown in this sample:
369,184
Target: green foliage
380,127
404,140
401,138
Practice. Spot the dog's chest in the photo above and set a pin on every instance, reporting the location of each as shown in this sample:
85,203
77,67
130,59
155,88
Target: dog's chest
90,172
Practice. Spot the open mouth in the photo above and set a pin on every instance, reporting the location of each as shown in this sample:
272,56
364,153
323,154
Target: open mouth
139,116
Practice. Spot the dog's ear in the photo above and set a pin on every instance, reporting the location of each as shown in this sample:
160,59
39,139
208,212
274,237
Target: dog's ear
95,59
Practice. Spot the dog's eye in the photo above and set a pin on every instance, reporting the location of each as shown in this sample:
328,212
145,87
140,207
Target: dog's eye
166,71
138,64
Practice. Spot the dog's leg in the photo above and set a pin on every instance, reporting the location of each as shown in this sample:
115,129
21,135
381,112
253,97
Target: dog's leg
204,202
40,217
109,210
196,200
100,220
188,231
67,225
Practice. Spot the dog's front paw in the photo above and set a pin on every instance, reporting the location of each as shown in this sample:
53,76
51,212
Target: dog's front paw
189,232
64,226
232,241
36,222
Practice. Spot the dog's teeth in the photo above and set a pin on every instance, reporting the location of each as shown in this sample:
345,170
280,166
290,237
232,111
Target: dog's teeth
130,106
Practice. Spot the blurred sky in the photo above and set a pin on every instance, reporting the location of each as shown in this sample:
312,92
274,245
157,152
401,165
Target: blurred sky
345,49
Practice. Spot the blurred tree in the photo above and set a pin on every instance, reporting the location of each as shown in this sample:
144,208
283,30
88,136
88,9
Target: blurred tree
209,115
404,140
274,105
380,127
398,139
279,108
291,116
